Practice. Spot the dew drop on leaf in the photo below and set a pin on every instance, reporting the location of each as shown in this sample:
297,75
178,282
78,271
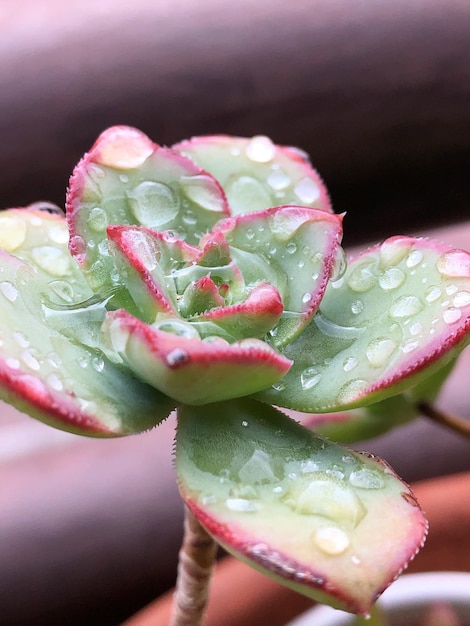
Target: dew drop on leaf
406,306
278,180
9,291
12,232
307,190
241,505
451,315
392,278
260,149
461,299
366,479
432,294
309,378
414,258
153,204
351,390
331,540
380,350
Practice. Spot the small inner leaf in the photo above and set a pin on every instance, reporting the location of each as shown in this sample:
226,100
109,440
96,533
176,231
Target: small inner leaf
294,248
303,510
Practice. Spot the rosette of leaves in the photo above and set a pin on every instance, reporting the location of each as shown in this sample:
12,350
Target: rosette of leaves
209,278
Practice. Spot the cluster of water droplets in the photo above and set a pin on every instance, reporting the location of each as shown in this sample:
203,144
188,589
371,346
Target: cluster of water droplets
275,179
329,492
426,293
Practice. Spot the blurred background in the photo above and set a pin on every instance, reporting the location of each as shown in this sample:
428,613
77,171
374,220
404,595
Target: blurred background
376,92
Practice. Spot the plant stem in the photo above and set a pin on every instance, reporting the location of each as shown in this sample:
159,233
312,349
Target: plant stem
196,561
458,424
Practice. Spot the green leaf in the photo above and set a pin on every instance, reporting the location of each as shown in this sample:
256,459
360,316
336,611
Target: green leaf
171,356
332,524
256,174
54,377
127,179
399,314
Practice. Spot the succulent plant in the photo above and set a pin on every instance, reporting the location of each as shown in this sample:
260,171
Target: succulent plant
209,278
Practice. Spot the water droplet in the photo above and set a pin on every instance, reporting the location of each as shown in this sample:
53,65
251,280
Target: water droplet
406,306
13,363
12,232
241,505
208,499
244,423
257,469
247,192
176,357
394,250
54,261
306,298
416,329
409,346
30,360
355,559
9,291
328,498
97,220
357,307
307,190
250,233
392,278
366,479
153,204
351,391
380,350
98,364
347,458
350,363
55,382
461,299
63,289
309,466
309,378
451,289
20,339
432,294
455,264
339,265
123,178
362,277
414,258
291,247
260,149
278,180
331,540
190,218
451,315
204,191
83,362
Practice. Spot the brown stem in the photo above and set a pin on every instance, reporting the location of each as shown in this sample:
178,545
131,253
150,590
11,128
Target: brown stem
196,561
458,424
